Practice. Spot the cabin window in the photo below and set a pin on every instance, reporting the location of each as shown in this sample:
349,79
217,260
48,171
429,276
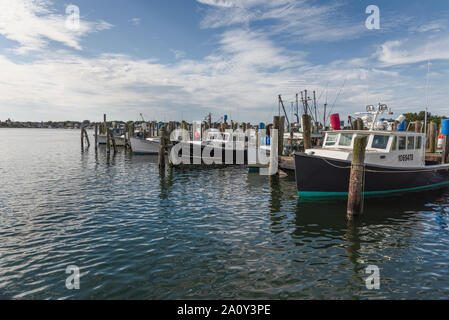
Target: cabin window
401,143
395,141
418,142
380,142
331,139
410,143
345,139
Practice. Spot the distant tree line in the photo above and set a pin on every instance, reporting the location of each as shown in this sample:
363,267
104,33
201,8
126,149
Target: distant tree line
410,117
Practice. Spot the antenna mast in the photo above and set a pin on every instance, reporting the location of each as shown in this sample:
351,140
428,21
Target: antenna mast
427,107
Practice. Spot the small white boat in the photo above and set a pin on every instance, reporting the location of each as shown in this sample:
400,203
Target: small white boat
119,141
145,146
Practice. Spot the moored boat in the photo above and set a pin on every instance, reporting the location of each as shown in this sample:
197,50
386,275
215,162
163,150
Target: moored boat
144,146
119,140
217,148
394,164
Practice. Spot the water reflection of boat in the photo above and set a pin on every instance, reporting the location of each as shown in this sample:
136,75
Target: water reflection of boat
394,163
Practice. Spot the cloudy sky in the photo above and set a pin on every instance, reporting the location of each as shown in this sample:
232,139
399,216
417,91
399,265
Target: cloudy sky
180,59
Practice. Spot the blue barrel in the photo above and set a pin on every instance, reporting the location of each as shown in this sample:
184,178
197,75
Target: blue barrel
445,127
402,126
268,141
261,126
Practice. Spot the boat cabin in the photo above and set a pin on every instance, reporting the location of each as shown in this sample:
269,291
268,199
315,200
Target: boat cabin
389,148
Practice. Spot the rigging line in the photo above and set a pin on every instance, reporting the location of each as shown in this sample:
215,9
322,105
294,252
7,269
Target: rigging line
327,82
338,95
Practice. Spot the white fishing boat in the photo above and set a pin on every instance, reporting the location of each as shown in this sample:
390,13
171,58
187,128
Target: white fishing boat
145,146
119,140
394,162
222,148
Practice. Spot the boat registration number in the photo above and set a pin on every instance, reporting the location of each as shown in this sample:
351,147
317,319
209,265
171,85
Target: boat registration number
406,157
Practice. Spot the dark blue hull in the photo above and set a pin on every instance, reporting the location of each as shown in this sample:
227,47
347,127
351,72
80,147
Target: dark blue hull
318,177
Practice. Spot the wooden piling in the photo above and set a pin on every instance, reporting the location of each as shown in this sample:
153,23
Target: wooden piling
356,178
432,136
86,136
82,138
359,124
281,135
161,158
418,126
445,153
110,138
306,131
274,163
106,132
96,136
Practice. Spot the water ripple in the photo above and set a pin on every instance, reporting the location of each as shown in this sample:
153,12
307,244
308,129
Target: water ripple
219,233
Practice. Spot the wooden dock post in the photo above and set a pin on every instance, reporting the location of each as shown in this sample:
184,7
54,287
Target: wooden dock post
359,124
306,131
281,135
356,178
432,136
274,157
130,134
110,138
86,136
106,132
445,153
161,158
82,138
418,126
96,136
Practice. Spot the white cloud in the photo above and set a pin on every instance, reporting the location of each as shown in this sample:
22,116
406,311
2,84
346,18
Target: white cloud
216,3
242,76
298,20
179,54
135,21
33,24
411,51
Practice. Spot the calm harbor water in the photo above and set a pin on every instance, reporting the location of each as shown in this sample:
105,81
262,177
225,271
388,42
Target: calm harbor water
199,233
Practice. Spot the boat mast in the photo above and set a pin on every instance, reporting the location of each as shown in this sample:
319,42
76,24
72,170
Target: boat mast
425,115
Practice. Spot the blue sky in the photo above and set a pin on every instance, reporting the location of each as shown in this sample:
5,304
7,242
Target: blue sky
173,60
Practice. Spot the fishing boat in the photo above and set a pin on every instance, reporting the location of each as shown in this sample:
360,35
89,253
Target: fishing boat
119,140
394,162
216,148
119,137
141,146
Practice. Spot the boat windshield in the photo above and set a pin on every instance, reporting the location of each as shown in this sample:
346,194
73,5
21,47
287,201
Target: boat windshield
418,142
380,142
214,136
345,139
331,139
